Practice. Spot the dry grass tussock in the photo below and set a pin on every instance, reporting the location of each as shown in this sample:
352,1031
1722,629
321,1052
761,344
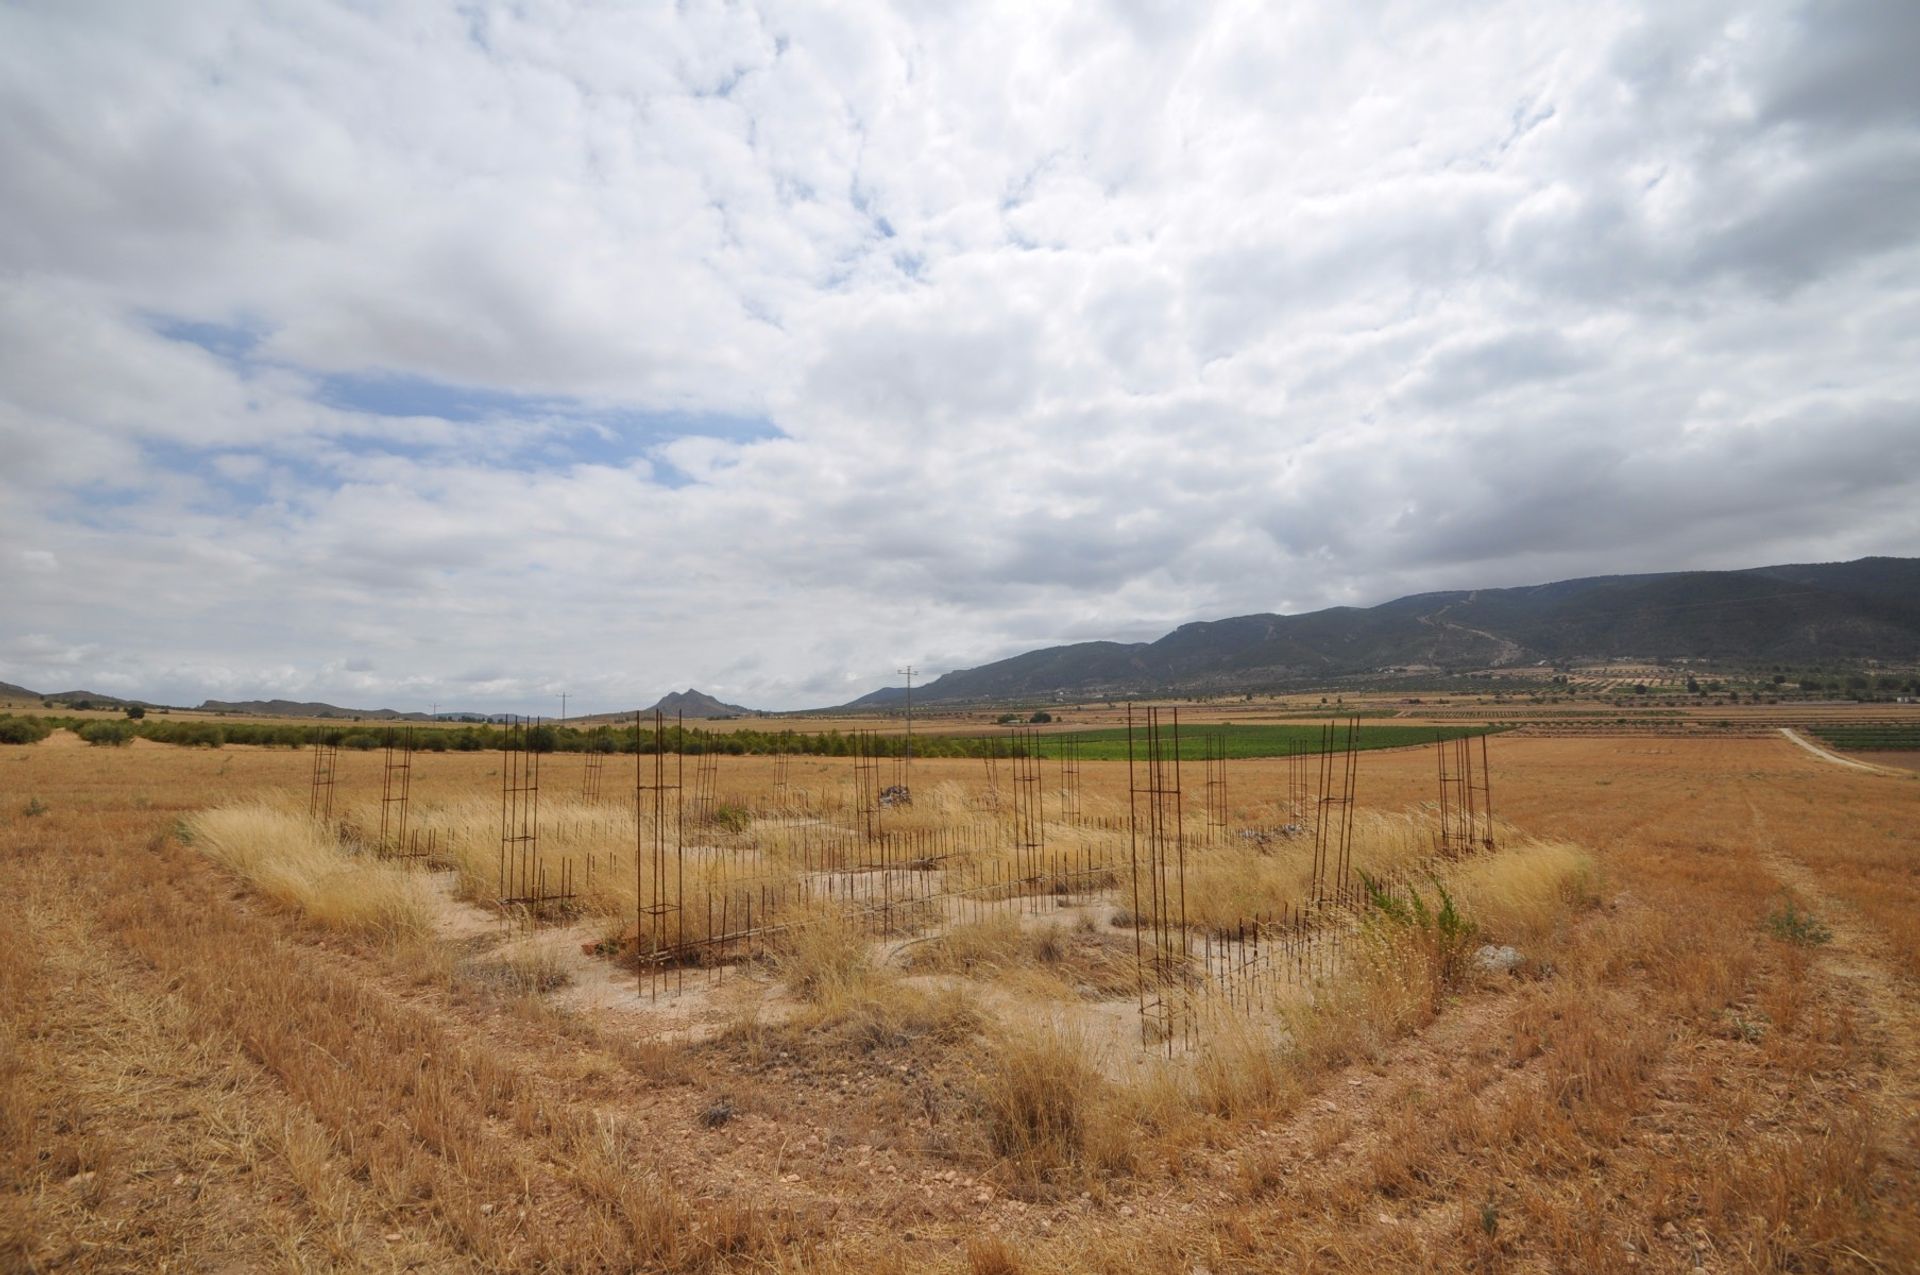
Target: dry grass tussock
725,865
1230,881
301,865
1246,1069
1082,959
1523,894
1050,1114
823,955
1054,1116
849,998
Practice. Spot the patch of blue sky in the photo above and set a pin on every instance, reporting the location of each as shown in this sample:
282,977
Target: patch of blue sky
564,431
542,431
402,395
234,342
398,394
231,478
215,485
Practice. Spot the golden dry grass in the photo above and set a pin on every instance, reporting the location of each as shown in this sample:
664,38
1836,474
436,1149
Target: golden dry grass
300,864
1525,894
1051,1115
191,1080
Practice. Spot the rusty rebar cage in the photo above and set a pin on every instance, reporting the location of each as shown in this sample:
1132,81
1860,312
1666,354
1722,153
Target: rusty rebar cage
866,784
396,789
1031,866
1213,751
326,759
706,787
990,761
660,859
1158,860
1299,800
782,780
1466,797
525,888
1333,815
1069,747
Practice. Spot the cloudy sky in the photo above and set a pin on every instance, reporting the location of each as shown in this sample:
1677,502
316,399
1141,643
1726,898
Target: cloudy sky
474,352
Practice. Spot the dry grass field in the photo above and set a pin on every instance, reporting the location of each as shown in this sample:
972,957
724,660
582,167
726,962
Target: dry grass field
227,1042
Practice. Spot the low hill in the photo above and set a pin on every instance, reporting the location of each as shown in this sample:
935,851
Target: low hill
291,708
1801,614
92,699
692,703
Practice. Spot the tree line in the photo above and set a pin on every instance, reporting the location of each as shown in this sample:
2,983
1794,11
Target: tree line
546,738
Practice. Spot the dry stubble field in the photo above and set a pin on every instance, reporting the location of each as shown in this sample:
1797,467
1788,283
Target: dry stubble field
195,1077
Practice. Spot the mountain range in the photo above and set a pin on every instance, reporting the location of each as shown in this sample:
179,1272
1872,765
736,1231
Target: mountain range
1791,615
689,703
9,693
1797,615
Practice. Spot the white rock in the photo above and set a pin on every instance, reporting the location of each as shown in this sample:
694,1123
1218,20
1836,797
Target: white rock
1497,960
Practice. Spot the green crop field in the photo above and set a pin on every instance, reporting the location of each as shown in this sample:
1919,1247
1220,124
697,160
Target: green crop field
1871,737
1252,741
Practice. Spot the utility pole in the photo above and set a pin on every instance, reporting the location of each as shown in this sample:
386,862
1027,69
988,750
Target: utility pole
563,708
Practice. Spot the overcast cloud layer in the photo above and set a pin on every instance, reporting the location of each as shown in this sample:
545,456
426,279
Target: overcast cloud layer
486,351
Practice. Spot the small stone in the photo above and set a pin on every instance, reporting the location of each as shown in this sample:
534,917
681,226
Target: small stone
1126,1210
393,1237
1497,960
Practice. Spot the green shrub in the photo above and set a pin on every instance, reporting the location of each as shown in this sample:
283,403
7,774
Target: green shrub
23,730
1791,925
108,734
1441,934
186,734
